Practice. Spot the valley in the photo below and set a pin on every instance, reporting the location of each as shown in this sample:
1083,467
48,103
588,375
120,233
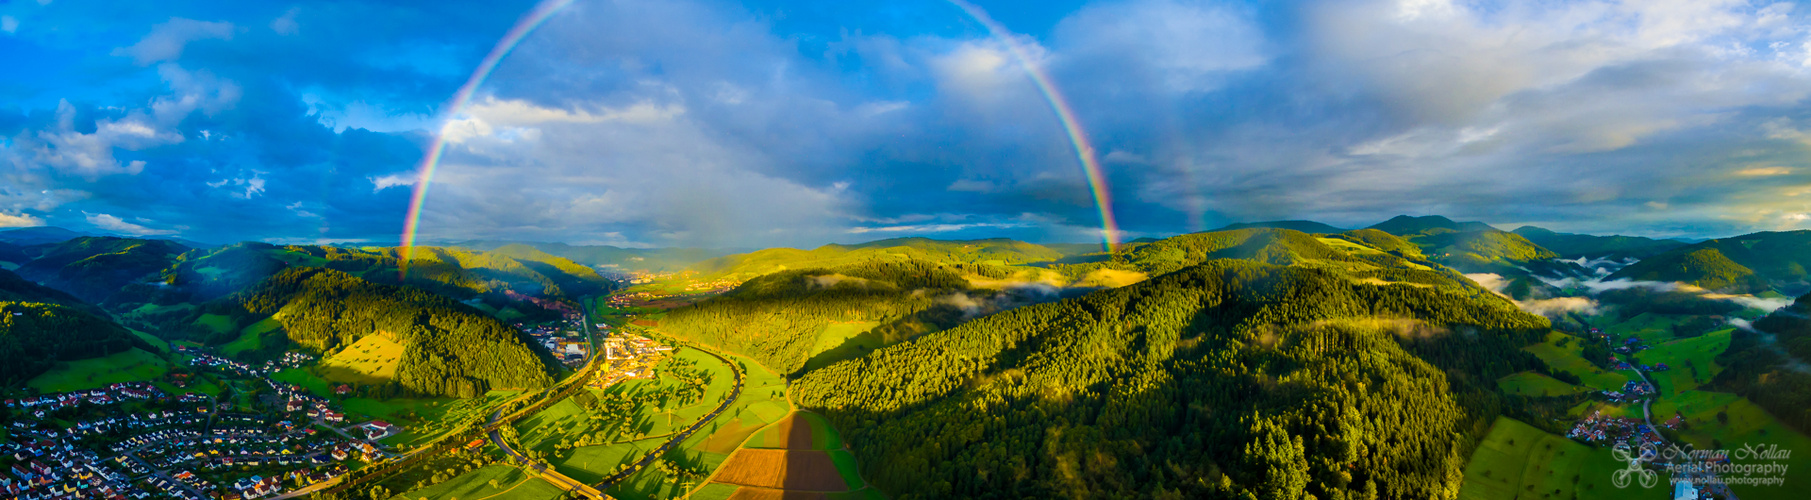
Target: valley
910,368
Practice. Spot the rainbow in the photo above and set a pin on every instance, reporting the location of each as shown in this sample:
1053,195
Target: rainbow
425,171
1084,151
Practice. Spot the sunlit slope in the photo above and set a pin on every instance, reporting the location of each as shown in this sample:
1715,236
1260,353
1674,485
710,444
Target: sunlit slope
787,319
447,348
1750,263
995,252
1293,367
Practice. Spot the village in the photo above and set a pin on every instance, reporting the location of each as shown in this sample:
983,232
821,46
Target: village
133,440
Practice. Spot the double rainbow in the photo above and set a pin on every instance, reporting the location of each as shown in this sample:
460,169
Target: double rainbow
1078,138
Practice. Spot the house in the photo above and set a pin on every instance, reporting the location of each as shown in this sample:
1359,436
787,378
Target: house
378,428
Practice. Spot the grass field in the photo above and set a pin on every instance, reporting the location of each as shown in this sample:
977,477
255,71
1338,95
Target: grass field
1536,385
134,365
1517,460
512,484
437,418
1571,359
1652,328
797,454
215,322
372,359
250,337
163,346
1693,361
798,431
1747,424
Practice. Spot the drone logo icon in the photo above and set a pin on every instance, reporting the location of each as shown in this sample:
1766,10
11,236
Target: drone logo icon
1634,472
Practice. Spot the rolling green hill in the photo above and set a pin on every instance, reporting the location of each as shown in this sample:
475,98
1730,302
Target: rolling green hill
1403,225
40,326
627,259
1751,263
1571,246
995,252
93,268
1262,364
1306,226
447,348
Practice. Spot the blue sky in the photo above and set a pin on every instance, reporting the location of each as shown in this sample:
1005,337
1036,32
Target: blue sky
800,123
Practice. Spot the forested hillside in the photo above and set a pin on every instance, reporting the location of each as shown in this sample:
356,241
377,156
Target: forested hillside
1573,246
450,348
1768,364
1345,372
787,318
40,326
94,268
1750,263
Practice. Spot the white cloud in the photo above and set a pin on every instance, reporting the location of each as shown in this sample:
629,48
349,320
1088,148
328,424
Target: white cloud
19,220
381,183
286,24
166,40
114,223
9,24
1184,45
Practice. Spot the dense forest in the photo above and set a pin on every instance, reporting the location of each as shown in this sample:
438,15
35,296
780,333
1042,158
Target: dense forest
1295,369
449,348
1767,364
34,336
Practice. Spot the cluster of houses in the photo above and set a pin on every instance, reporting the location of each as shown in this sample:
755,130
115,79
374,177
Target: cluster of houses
630,357
201,358
291,359
1601,429
717,286
45,470
1633,390
111,394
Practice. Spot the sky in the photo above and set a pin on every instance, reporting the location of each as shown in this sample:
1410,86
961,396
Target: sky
781,123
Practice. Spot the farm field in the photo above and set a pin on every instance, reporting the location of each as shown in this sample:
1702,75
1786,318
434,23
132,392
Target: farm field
762,402
1516,460
801,456
1570,358
512,484
1536,385
134,365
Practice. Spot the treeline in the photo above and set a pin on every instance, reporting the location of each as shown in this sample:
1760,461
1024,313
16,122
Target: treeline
778,318
1229,379
34,337
450,348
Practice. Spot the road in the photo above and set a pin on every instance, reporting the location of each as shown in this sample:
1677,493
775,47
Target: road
552,476
734,392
